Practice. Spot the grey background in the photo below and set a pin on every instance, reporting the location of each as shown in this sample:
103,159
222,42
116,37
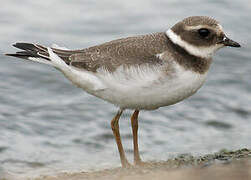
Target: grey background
48,126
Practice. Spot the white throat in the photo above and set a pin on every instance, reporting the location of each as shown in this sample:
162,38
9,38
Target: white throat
204,52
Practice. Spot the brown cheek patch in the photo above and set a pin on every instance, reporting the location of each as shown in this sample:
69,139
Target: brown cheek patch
192,37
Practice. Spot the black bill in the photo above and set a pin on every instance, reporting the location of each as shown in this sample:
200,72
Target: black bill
228,42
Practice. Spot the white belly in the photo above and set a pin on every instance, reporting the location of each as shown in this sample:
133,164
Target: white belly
150,88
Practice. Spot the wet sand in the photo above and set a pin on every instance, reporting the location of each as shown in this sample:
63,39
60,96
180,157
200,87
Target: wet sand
224,165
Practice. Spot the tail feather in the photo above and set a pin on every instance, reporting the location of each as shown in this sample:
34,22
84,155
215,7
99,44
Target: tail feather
36,51
26,46
24,55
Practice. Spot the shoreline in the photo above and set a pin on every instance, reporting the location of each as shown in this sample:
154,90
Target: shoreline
222,165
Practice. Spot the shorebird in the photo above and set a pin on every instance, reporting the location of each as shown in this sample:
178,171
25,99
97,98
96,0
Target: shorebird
144,72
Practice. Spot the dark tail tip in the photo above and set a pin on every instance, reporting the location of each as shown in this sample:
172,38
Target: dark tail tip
25,46
12,55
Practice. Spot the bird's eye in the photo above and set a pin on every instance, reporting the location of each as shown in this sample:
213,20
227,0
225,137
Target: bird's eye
203,32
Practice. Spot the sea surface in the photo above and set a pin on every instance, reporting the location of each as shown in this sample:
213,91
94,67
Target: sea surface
48,126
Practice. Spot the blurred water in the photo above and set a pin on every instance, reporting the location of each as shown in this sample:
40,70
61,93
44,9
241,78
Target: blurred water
49,126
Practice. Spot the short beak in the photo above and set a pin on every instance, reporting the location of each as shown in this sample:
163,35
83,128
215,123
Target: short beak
228,42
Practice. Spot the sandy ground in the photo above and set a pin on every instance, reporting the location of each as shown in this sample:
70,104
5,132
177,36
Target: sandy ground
235,171
225,165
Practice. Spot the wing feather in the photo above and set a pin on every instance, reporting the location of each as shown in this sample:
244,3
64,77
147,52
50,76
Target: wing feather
127,51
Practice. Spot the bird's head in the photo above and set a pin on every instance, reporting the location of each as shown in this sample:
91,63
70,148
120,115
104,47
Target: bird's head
200,36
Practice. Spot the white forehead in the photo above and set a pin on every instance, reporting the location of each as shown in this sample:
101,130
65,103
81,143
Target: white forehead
220,27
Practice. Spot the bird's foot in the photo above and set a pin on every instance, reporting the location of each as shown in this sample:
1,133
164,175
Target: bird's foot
139,163
126,164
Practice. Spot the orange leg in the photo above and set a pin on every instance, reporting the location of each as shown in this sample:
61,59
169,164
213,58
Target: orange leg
115,129
134,123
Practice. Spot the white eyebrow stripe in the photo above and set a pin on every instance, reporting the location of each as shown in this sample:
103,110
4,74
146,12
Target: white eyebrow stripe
201,26
195,27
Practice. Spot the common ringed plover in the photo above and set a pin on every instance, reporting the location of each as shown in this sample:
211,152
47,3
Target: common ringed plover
144,72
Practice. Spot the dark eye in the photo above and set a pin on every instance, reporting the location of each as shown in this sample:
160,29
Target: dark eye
203,32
